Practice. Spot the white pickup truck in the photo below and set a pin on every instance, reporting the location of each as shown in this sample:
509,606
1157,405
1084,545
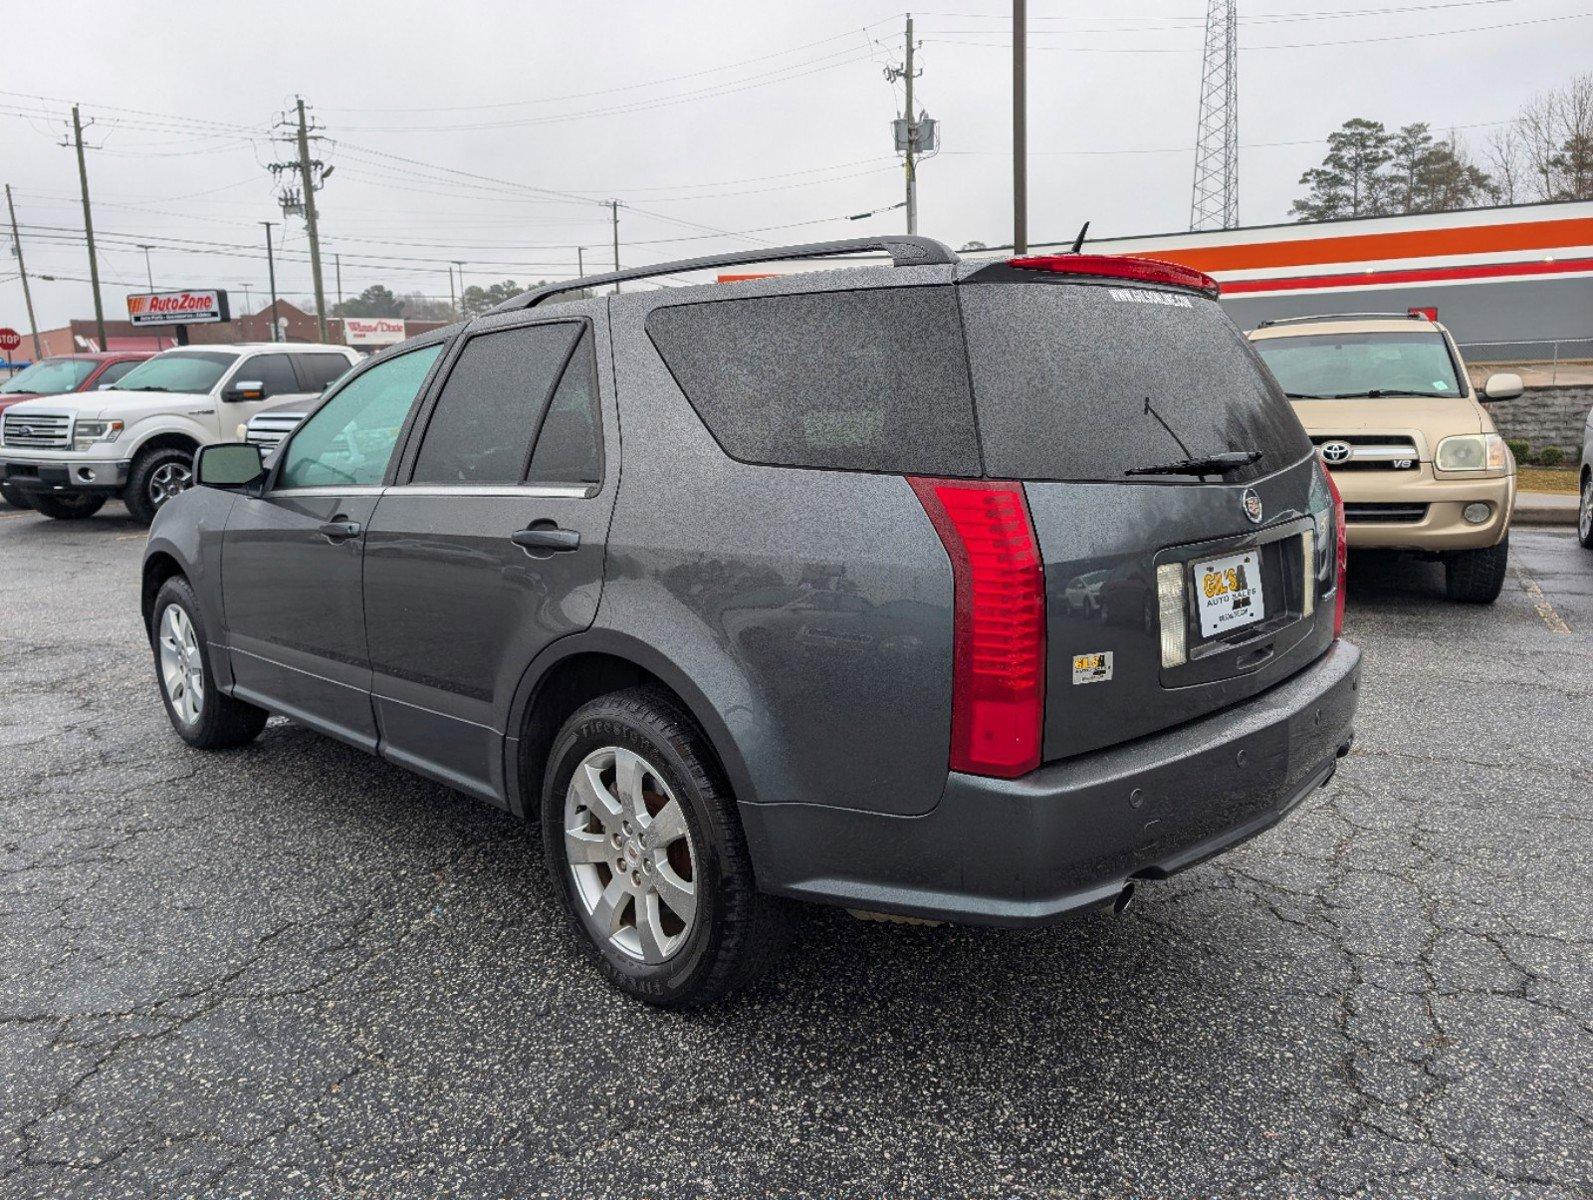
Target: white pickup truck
67,455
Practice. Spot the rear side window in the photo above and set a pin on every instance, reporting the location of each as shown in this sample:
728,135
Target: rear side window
861,381
274,372
319,370
567,444
480,431
115,371
1063,375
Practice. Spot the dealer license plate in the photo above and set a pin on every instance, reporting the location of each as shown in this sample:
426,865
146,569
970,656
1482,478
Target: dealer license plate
1228,593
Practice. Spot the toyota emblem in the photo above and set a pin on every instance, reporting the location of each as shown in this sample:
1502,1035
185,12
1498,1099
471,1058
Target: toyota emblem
1251,503
1336,452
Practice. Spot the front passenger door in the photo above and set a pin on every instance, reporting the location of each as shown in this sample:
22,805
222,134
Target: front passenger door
292,557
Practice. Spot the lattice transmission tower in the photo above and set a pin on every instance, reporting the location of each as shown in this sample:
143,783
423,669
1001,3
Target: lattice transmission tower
1214,201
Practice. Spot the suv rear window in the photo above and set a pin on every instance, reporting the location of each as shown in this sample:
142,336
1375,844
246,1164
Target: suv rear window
1063,374
870,380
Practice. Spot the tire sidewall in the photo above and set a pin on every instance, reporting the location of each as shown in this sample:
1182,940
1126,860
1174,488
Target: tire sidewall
595,727
177,591
136,494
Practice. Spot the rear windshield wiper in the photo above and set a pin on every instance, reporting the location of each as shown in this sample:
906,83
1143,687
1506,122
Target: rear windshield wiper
1211,464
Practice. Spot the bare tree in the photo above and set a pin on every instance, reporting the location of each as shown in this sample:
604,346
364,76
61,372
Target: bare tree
1556,134
1507,164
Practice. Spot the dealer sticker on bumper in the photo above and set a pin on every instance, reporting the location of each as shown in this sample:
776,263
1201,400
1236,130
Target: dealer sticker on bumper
1228,593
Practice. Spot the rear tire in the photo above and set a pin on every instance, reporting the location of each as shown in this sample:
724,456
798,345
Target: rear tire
156,476
200,714
1477,576
14,496
67,506
619,854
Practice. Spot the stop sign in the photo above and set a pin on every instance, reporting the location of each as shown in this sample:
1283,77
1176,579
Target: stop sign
10,339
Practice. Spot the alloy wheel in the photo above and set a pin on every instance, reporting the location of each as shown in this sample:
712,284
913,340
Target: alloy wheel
167,480
630,855
182,671
1584,515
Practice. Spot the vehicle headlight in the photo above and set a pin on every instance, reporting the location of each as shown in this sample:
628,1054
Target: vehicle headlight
87,433
1472,452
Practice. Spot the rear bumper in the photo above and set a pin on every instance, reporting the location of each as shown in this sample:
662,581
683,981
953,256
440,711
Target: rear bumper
77,476
1072,834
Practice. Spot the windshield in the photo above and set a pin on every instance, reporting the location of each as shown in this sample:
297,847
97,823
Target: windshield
1081,383
178,372
51,376
1342,366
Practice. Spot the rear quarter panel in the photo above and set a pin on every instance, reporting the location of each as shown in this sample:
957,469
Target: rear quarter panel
811,609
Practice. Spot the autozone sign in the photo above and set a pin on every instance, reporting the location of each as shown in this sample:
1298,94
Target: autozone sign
191,306
373,331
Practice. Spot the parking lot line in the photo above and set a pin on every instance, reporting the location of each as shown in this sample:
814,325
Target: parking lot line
1551,618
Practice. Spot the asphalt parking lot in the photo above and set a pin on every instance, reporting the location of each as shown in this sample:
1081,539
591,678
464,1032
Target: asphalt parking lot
294,970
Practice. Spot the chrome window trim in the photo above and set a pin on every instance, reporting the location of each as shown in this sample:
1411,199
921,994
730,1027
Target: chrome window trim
361,490
539,490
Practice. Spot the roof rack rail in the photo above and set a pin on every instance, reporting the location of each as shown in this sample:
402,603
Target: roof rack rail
1364,316
904,251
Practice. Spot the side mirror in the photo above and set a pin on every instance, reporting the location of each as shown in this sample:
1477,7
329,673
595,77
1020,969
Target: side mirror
1504,386
246,390
229,465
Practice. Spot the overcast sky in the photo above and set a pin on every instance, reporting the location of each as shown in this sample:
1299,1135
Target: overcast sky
769,120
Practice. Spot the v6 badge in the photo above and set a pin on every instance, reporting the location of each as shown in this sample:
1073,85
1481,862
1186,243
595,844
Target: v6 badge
1092,668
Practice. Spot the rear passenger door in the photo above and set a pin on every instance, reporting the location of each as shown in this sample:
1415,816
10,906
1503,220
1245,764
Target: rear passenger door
491,543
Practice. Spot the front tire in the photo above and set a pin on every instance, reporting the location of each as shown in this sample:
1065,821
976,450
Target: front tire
648,857
1584,512
1477,576
156,476
66,506
200,714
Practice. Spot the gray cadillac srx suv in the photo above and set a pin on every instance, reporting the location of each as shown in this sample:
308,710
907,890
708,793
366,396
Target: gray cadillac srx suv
970,591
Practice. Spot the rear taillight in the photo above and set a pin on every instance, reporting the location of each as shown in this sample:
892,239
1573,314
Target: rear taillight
998,625
1120,266
1341,551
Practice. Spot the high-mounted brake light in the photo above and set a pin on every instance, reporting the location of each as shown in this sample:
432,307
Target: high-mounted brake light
998,623
1430,313
1341,551
1120,266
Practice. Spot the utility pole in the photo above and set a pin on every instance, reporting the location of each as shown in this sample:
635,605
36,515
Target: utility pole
88,228
308,181
580,262
461,268
613,207
271,273
22,269
912,136
149,272
1020,128
337,266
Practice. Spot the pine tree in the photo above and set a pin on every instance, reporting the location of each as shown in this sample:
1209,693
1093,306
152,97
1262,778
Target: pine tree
1349,183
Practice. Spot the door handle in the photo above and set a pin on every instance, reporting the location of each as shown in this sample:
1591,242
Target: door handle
547,537
339,531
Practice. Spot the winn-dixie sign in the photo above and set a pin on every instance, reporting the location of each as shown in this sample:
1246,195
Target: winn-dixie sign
202,306
373,331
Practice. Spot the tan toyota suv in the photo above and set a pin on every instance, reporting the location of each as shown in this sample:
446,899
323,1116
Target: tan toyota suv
1387,401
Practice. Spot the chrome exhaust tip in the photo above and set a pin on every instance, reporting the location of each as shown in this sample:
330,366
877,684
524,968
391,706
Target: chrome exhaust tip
1124,899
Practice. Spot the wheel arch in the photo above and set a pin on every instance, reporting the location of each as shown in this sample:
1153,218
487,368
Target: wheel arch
167,439
580,668
159,566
